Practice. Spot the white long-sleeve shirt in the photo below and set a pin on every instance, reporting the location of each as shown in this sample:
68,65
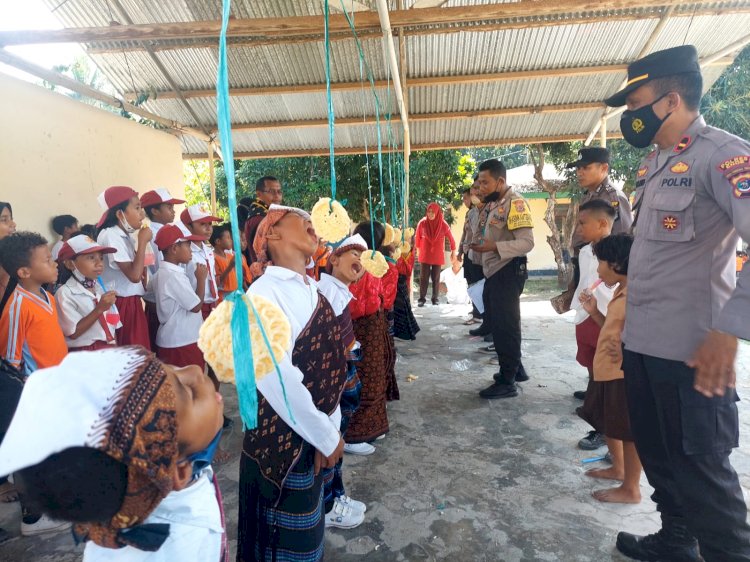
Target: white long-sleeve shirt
298,297
588,264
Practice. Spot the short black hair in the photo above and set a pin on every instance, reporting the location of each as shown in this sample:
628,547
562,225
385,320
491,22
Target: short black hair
61,222
16,250
689,85
89,230
150,209
78,484
5,205
363,229
599,206
219,231
111,219
615,250
494,166
260,185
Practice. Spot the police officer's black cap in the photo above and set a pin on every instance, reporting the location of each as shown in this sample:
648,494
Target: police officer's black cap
677,60
589,155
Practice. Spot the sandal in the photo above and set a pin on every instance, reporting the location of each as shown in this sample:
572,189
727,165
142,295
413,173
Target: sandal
8,493
470,322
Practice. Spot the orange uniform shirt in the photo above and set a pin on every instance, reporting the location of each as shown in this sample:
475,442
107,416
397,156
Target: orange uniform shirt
230,282
30,334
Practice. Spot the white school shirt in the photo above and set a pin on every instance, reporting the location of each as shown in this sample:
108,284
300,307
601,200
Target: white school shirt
195,529
113,277
298,300
175,299
56,247
588,264
336,292
204,254
458,289
75,302
152,269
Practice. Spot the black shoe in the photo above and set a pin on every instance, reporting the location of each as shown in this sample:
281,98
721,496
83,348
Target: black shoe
499,390
489,338
435,302
420,304
659,546
489,349
521,375
592,441
481,331
580,394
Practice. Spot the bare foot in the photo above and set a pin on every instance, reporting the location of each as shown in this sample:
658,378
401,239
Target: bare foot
606,473
617,495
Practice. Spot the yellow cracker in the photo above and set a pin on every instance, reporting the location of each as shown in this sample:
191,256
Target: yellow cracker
389,235
376,265
215,338
331,221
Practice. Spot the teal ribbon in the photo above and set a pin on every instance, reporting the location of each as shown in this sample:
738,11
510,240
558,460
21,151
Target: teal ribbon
329,98
242,351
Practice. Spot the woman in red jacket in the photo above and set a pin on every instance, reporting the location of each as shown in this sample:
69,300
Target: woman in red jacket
430,237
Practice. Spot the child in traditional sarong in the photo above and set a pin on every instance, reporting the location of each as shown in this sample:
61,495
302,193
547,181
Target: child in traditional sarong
405,325
345,268
370,421
120,445
281,512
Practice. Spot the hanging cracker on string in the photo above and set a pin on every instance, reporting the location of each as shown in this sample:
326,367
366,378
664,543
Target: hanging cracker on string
215,337
408,234
330,220
375,264
405,249
397,236
390,235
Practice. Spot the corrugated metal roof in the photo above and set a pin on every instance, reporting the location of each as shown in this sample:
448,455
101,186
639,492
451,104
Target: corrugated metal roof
474,50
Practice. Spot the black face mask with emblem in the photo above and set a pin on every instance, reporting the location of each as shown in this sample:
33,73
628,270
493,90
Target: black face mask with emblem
639,126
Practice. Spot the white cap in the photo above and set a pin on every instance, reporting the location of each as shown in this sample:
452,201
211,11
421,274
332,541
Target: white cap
79,245
197,213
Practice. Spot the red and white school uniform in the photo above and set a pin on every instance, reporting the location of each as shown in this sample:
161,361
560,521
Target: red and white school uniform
74,303
134,330
148,298
177,337
204,254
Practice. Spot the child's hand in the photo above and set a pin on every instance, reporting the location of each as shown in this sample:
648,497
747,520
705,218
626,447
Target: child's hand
106,301
588,301
201,272
144,236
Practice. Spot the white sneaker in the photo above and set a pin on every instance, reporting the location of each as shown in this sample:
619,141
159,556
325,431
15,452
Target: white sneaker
354,504
343,517
363,449
44,525
380,437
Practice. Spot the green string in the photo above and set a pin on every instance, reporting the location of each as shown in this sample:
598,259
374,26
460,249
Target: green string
242,351
329,98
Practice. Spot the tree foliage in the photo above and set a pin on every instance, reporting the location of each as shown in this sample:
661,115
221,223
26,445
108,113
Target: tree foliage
727,104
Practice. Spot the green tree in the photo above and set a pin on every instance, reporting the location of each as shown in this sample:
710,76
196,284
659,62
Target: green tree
727,104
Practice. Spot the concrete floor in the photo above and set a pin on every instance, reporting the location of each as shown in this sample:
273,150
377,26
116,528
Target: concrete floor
460,478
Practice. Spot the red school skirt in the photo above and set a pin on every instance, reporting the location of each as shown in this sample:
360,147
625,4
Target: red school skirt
207,308
182,356
134,329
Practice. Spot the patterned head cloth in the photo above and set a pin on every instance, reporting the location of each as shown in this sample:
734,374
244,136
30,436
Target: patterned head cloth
355,242
118,401
260,243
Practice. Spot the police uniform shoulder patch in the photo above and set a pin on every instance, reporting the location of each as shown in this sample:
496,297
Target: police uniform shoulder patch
519,215
730,164
741,185
683,144
680,168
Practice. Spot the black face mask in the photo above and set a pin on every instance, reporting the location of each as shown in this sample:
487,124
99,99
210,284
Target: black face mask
639,127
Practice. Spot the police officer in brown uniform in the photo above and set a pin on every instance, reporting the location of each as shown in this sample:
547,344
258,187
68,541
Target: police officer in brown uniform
592,170
684,313
505,236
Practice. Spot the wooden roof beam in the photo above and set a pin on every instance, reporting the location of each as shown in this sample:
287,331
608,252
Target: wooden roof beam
366,21
456,27
414,147
413,82
417,117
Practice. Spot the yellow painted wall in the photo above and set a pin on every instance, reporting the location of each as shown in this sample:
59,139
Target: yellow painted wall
58,154
541,257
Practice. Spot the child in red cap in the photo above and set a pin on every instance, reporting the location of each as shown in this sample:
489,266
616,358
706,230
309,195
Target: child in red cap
125,270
